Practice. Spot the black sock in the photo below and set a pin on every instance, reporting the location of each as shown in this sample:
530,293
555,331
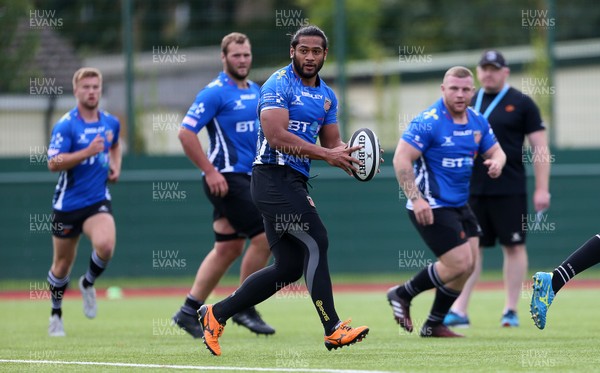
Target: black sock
191,305
424,280
256,288
95,269
56,311
57,287
444,298
582,259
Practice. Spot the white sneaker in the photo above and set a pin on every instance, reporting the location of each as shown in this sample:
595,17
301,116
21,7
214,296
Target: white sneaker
89,299
56,328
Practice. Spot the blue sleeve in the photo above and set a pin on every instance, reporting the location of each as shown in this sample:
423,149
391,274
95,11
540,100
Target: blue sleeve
117,132
60,141
112,133
418,134
275,92
331,116
203,110
488,139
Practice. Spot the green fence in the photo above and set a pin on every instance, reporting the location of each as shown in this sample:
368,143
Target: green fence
164,220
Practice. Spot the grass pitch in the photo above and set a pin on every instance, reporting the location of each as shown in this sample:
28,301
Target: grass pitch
135,334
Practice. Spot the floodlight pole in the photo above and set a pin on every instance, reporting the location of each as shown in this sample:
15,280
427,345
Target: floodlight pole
129,78
550,36
340,80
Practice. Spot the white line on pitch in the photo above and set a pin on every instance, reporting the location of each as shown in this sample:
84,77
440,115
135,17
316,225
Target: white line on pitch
191,367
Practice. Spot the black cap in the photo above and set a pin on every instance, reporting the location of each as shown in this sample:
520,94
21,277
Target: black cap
492,57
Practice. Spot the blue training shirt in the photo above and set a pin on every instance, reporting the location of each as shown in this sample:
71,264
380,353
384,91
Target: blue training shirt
309,109
84,184
229,115
444,169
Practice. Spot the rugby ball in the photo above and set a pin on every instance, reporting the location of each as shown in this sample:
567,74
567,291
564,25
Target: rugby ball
369,154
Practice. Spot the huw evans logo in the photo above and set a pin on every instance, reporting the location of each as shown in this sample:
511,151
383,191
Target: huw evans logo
291,18
167,259
44,18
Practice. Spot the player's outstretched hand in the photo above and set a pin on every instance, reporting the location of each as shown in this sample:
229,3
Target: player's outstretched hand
381,160
340,157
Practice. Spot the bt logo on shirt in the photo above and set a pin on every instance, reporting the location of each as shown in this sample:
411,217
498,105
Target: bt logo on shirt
457,162
245,126
298,125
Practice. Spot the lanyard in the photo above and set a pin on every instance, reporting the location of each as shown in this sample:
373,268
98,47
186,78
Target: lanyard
493,104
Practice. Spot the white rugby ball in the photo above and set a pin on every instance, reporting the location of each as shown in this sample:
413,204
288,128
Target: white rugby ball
369,154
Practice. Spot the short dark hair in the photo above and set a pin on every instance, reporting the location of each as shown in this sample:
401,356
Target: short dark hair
308,31
234,37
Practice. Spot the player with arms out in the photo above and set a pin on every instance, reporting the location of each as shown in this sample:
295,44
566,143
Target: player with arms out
226,107
85,149
442,143
296,107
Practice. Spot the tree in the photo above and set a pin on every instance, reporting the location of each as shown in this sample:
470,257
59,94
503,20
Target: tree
363,22
17,46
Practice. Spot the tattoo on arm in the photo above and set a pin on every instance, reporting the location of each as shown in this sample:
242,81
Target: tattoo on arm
406,178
